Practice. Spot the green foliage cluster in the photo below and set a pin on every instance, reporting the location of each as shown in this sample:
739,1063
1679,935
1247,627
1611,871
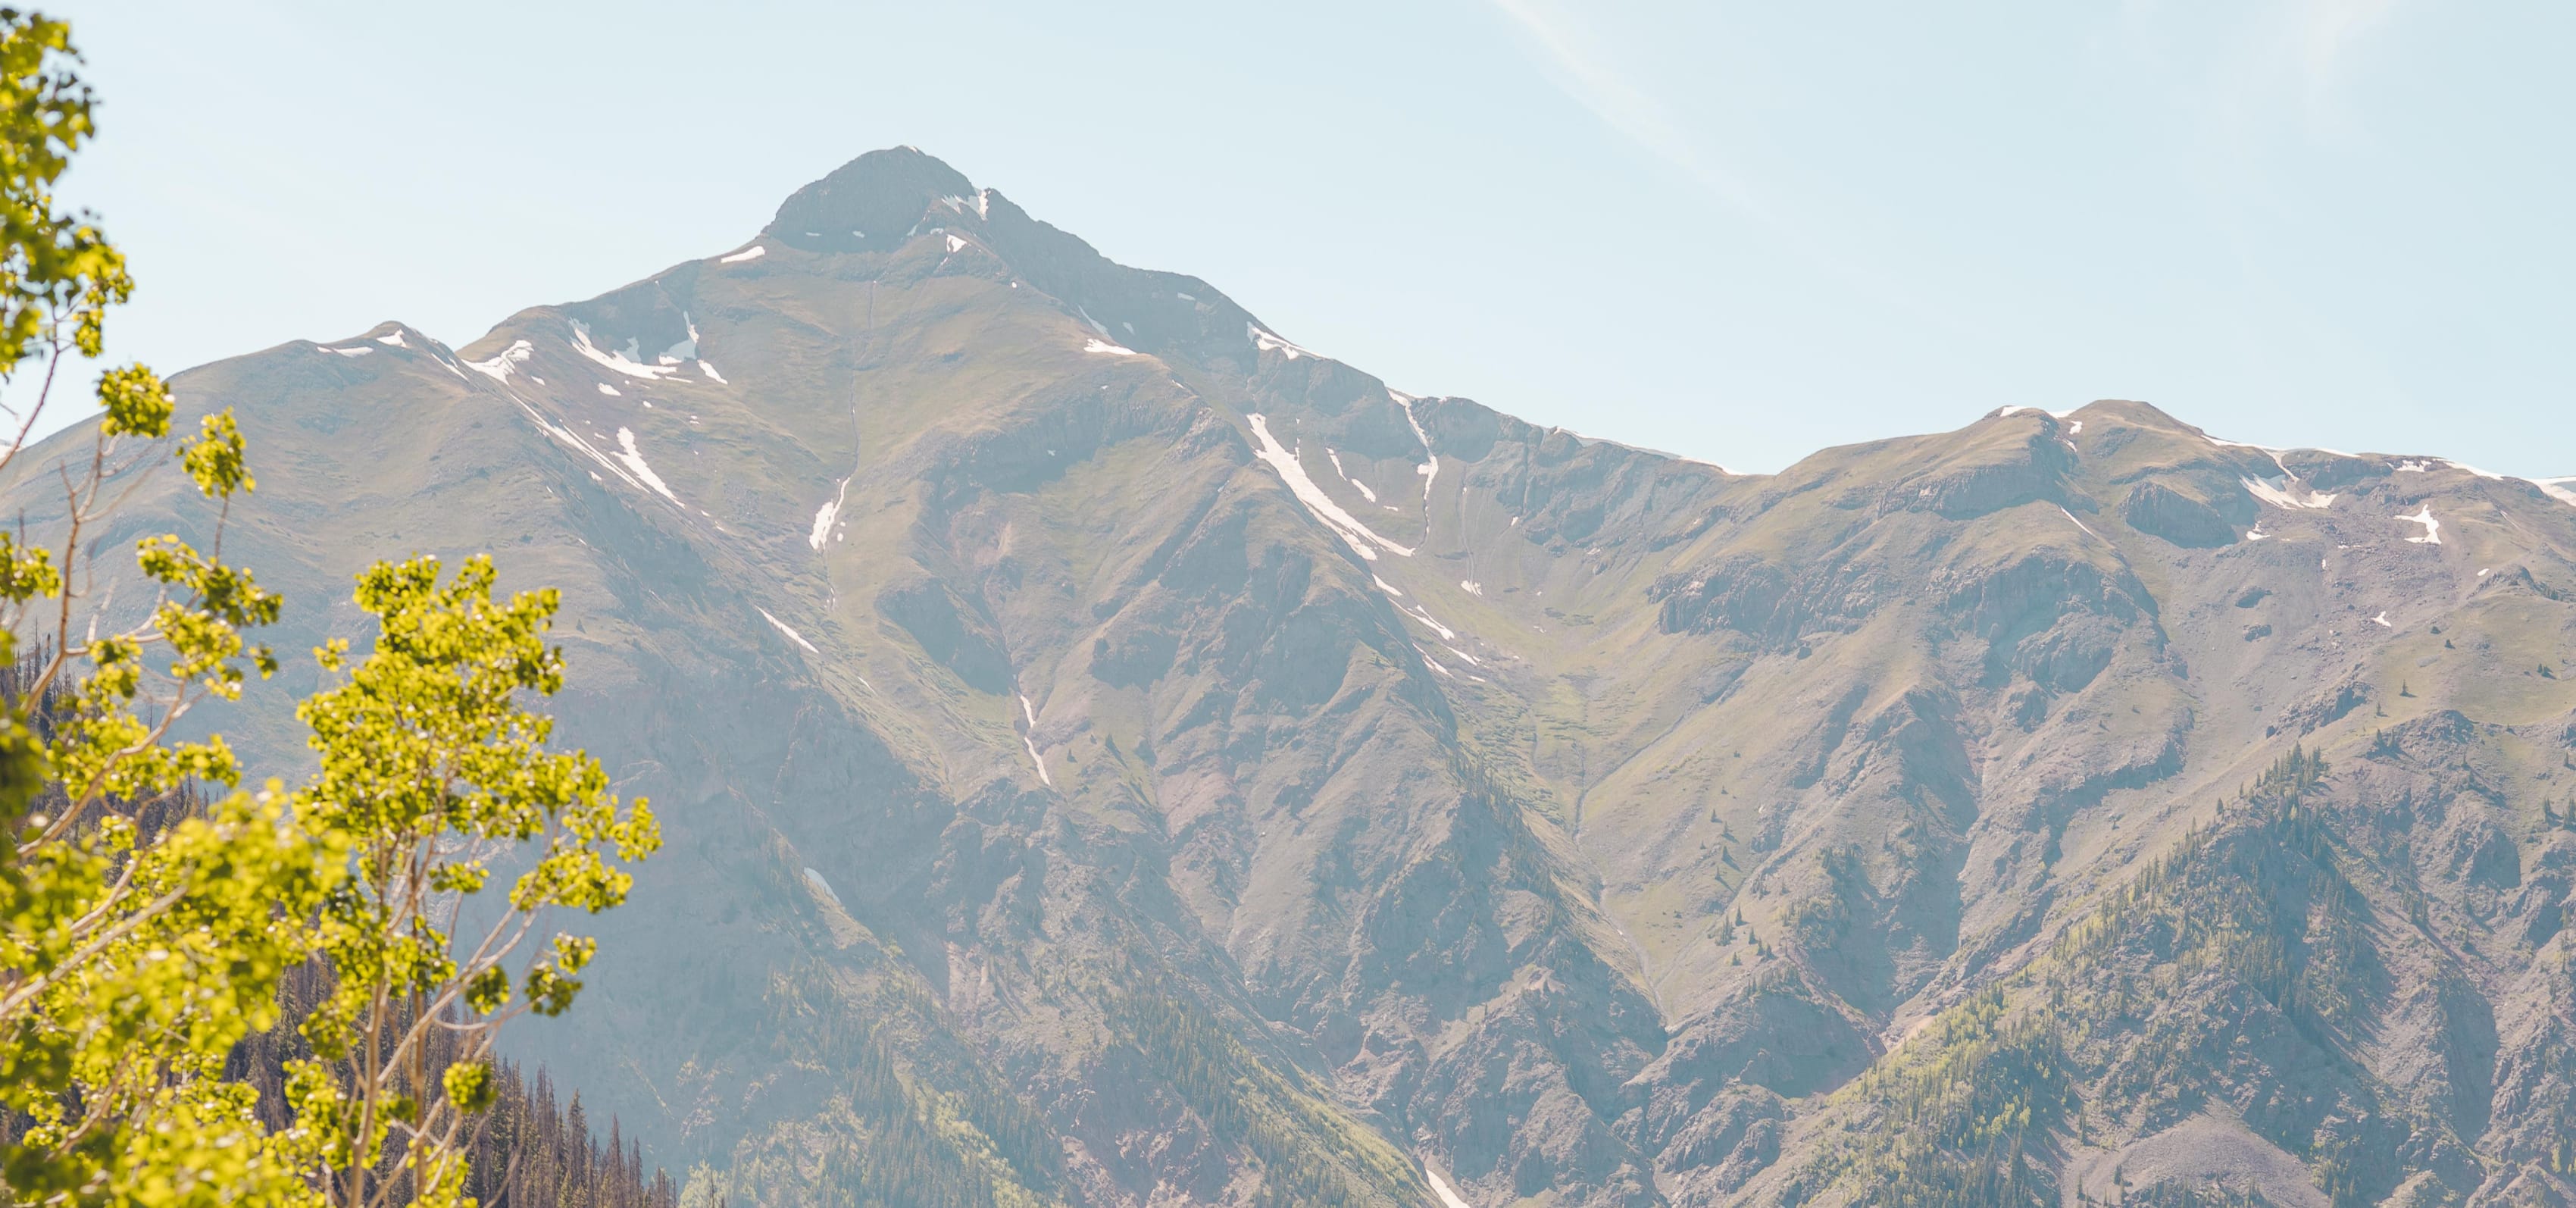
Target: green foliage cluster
150,907
427,766
58,273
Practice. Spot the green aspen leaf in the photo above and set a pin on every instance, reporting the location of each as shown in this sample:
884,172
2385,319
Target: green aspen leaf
136,402
470,1086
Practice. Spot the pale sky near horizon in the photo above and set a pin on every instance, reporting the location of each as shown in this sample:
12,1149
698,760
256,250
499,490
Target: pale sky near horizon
1737,232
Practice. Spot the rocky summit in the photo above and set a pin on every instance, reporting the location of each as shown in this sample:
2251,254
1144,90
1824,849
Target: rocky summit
1113,755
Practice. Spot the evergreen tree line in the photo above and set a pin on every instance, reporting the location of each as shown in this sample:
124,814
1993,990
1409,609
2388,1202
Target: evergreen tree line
916,1133
2255,908
1240,1099
533,1148
2178,1194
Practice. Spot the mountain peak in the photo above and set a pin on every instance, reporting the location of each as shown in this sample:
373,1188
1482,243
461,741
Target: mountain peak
872,202
1011,605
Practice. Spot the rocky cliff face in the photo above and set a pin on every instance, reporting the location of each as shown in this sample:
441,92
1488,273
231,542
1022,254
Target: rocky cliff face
1113,755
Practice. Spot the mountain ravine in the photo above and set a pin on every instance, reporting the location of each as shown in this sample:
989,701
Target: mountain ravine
1111,755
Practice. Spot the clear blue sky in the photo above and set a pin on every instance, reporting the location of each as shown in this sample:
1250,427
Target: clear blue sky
1735,231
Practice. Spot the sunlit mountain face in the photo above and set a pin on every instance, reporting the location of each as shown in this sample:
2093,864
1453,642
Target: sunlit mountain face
1113,755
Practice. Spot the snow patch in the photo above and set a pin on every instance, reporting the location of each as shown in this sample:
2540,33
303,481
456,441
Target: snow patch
1028,710
824,516
711,373
2088,531
1384,586
2432,527
351,352
635,464
619,361
393,338
1356,484
790,631
1439,1186
2282,497
2382,620
1446,633
2412,467
1267,342
1184,297
573,440
1292,471
754,252
821,886
1471,587
1099,345
1037,759
2266,450
955,245
685,350
610,391
1430,468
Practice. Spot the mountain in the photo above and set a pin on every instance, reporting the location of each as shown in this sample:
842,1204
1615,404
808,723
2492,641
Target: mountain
1112,755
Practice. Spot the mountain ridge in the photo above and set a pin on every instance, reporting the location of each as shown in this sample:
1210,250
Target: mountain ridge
1191,771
